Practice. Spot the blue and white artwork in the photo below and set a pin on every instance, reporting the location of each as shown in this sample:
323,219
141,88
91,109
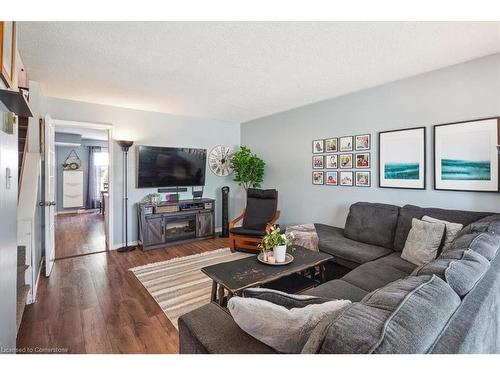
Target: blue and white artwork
465,155
402,158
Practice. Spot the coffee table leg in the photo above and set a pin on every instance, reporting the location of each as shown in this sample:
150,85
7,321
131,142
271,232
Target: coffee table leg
213,294
322,273
221,295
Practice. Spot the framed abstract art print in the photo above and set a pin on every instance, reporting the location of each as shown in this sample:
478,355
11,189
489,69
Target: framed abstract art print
466,156
401,158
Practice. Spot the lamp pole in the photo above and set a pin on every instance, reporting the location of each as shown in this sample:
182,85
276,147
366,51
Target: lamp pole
125,145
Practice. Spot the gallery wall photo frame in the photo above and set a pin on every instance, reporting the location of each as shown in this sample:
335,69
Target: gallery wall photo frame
466,156
346,161
362,160
346,143
363,178
318,178
331,145
346,178
402,158
318,161
332,178
318,146
362,142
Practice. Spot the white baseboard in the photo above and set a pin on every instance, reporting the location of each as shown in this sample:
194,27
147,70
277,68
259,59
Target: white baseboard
35,287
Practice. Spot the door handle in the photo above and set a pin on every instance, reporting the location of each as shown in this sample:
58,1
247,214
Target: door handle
53,203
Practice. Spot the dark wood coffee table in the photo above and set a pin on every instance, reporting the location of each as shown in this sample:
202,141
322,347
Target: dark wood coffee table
236,276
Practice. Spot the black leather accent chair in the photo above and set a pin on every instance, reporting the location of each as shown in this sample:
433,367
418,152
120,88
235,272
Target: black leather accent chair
259,215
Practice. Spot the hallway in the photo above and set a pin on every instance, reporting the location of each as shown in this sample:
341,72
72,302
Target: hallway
79,234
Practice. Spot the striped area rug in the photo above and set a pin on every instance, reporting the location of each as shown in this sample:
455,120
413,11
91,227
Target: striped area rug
178,285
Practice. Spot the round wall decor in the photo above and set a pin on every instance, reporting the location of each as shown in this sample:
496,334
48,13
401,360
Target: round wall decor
219,160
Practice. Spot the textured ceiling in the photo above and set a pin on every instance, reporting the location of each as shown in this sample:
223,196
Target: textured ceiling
237,71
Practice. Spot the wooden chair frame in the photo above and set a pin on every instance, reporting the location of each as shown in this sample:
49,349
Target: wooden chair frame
248,242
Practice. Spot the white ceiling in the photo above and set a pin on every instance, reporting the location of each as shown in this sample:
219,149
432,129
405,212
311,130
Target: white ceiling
238,71
86,133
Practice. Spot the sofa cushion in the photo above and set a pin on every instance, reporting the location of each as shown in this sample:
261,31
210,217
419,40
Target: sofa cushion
406,316
394,260
485,243
286,330
451,232
211,329
338,289
373,275
489,223
372,223
423,242
408,212
261,208
286,300
461,274
333,241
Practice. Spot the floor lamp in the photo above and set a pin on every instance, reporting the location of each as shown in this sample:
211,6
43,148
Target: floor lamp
125,145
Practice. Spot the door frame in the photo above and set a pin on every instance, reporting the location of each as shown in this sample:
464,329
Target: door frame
109,128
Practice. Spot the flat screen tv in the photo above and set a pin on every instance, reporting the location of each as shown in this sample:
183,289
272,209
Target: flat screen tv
170,167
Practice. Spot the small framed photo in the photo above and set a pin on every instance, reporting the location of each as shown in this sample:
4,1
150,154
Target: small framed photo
346,178
345,161
363,178
331,161
332,178
346,143
363,160
363,142
318,161
318,178
318,146
331,145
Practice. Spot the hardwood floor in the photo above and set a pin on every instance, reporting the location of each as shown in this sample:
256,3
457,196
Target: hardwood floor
93,304
78,234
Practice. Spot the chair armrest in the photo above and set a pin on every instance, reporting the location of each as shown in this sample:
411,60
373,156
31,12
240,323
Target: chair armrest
273,221
235,221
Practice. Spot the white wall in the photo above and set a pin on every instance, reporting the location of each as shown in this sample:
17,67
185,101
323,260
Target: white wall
153,129
462,92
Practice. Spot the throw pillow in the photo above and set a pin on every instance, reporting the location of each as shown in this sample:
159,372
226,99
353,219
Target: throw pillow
423,242
452,229
289,301
285,330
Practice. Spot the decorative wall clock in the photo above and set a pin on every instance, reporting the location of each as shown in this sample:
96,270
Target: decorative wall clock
219,160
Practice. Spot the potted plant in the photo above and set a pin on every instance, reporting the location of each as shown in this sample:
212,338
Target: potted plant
277,242
248,168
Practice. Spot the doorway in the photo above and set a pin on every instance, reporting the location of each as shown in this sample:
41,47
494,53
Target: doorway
83,185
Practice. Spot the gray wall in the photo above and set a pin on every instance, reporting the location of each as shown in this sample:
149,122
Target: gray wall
462,92
62,153
153,129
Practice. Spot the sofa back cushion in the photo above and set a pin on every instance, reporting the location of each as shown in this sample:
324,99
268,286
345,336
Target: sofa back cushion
408,212
485,243
461,269
405,316
372,223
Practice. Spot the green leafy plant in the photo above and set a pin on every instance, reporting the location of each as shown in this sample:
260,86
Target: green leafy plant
275,238
248,168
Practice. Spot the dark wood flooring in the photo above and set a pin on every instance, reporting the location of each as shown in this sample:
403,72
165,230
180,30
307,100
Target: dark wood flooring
93,304
78,234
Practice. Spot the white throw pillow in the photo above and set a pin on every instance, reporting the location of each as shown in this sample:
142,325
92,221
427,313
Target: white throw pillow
423,242
285,330
452,229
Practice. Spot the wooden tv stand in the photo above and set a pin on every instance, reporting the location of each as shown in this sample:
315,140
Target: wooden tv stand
172,223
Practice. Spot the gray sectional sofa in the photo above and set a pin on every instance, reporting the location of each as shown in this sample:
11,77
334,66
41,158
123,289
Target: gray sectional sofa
450,305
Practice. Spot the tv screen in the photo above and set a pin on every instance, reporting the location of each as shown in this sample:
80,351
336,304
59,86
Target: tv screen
170,167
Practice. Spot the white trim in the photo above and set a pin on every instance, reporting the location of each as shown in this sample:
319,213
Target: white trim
109,128
35,288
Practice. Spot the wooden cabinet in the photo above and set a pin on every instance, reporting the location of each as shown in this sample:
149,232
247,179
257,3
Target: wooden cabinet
172,223
154,230
204,224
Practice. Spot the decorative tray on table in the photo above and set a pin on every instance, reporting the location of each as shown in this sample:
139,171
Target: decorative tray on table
288,260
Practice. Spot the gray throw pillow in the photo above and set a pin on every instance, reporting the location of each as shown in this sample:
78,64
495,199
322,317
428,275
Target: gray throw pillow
285,330
452,229
286,300
423,242
485,243
461,269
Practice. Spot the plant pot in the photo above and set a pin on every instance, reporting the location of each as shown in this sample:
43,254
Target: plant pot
280,253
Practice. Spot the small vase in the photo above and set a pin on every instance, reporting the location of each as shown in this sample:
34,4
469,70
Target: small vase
280,253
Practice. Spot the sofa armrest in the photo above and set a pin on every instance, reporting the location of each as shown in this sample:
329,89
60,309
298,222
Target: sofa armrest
211,329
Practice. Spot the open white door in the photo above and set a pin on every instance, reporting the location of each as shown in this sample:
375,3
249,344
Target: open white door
50,195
